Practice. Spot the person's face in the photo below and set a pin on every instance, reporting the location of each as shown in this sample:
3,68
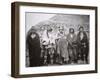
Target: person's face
71,30
60,30
33,36
49,29
81,29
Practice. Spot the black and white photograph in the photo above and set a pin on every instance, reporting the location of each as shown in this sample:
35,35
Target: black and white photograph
56,39
52,39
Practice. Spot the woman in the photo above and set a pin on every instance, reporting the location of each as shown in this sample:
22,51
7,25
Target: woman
33,47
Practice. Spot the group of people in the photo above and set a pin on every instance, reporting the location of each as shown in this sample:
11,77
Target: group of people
59,48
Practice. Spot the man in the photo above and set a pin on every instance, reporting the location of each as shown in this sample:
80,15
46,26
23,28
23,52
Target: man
83,45
33,47
48,43
71,37
62,45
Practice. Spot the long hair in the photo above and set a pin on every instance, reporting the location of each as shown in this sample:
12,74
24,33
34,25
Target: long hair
71,29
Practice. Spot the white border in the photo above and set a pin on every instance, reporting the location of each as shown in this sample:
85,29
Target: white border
65,68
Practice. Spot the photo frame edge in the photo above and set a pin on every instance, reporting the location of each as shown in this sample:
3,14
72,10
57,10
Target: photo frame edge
15,40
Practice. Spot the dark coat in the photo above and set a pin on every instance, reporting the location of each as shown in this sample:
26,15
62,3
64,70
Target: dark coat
33,46
83,46
84,41
71,40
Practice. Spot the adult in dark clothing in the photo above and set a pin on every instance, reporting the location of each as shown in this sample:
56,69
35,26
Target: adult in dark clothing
71,38
83,45
33,47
